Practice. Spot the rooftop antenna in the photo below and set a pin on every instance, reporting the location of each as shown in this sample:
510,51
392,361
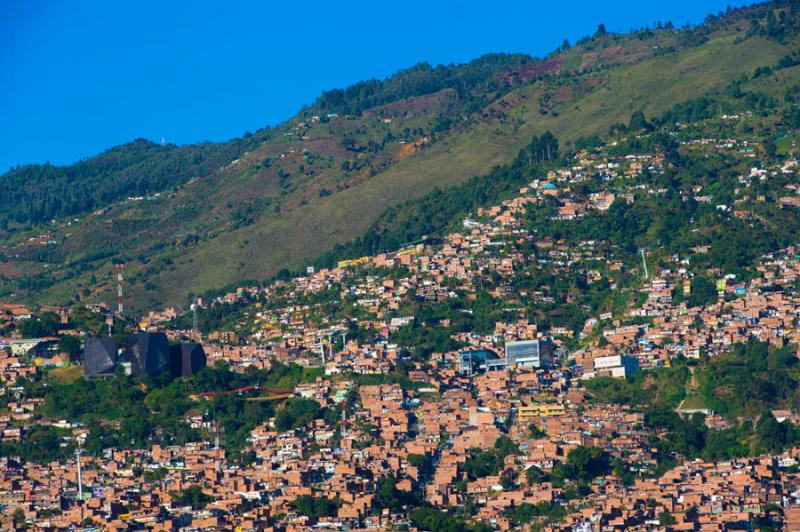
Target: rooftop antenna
644,263
119,266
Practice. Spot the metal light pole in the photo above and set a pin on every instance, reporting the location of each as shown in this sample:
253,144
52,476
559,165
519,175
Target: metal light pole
78,453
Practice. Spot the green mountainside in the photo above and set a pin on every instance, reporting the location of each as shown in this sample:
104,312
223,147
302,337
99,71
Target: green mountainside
364,168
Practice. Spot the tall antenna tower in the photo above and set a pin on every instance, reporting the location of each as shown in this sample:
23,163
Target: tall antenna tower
119,268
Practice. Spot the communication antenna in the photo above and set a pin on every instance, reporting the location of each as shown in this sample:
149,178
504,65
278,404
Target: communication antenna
119,267
644,263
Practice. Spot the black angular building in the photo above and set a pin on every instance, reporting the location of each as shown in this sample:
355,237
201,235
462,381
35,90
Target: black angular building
186,359
147,353
99,357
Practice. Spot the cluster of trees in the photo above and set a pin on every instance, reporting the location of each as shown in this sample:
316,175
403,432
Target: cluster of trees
664,386
691,111
692,439
387,496
480,464
426,334
315,507
427,518
527,512
128,412
474,82
42,444
583,464
755,376
192,496
747,383
47,324
38,193
299,412
778,27
676,223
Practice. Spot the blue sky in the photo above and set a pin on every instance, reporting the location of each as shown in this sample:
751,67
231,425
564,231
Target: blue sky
77,77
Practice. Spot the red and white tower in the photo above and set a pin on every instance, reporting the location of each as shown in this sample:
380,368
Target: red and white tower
119,288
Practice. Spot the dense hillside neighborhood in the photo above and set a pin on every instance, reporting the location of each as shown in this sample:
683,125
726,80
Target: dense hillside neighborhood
598,331
530,366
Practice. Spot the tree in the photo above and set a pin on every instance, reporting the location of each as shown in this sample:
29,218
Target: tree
536,432
601,30
772,435
770,149
315,507
665,518
586,463
388,496
704,292
71,345
508,480
433,519
192,496
46,325
297,412
534,475
19,519
638,122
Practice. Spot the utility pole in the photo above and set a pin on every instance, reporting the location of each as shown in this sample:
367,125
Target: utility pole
194,317
330,342
344,418
78,453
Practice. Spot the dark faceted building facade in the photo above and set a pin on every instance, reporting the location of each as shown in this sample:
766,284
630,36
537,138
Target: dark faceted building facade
186,359
147,353
100,356
143,354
